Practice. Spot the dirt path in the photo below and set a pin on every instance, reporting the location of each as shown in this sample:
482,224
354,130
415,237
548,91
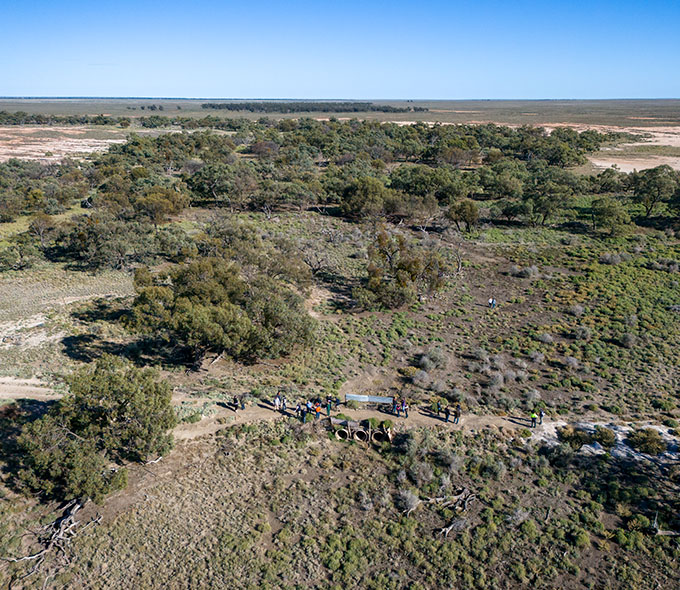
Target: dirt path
13,388
417,417
225,417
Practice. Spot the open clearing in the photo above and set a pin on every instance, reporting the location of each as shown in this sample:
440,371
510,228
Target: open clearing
51,144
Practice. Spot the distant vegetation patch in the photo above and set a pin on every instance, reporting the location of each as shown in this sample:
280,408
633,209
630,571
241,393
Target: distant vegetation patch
310,107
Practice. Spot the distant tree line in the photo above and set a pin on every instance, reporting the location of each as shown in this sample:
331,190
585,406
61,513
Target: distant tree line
309,107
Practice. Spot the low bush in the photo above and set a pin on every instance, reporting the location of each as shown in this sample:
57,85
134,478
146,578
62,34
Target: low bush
648,441
604,436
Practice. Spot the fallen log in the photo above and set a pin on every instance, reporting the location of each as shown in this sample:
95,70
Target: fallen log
54,537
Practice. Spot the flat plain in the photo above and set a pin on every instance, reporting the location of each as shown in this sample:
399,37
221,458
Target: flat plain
586,329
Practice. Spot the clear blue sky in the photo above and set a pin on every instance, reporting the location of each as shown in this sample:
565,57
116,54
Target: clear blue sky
342,49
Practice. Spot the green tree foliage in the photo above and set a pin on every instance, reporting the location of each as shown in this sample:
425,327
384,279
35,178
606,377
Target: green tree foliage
103,240
58,463
365,197
256,252
20,252
655,186
125,409
226,184
158,203
549,191
610,180
131,191
465,211
610,214
113,412
207,305
399,271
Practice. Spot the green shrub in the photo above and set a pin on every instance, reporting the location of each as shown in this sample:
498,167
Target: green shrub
581,538
193,418
605,436
60,464
529,529
113,412
647,441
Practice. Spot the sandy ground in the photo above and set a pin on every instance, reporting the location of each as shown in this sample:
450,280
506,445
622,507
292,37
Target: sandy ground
12,388
629,163
51,144
658,136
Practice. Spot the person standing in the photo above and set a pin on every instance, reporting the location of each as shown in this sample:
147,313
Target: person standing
304,414
317,411
457,414
395,407
534,418
277,402
284,404
447,413
329,405
243,402
541,414
404,407
439,408
298,410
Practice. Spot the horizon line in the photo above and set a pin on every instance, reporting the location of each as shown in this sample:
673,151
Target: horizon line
190,98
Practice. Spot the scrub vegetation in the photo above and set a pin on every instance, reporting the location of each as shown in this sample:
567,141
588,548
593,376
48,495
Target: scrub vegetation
153,284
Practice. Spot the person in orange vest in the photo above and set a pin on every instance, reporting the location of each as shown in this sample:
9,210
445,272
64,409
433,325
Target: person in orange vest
317,411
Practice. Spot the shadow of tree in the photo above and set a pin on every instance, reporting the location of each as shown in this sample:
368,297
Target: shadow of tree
107,310
142,352
88,347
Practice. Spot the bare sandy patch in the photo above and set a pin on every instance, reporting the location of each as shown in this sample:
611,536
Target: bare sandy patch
628,164
12,388
51,144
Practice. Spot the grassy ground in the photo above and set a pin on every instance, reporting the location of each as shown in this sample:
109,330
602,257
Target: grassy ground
581,330
38,316
584,328
315,513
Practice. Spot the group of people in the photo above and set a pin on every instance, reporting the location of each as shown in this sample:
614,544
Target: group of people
312,407
457,412
316,407
399,407
537,417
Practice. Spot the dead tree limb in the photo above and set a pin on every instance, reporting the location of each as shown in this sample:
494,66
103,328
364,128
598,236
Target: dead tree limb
54,538
460,504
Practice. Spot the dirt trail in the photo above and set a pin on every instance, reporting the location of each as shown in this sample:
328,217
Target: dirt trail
13,388
225,417
418,416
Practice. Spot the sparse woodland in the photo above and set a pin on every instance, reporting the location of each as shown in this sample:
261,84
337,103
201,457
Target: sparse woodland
320,257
